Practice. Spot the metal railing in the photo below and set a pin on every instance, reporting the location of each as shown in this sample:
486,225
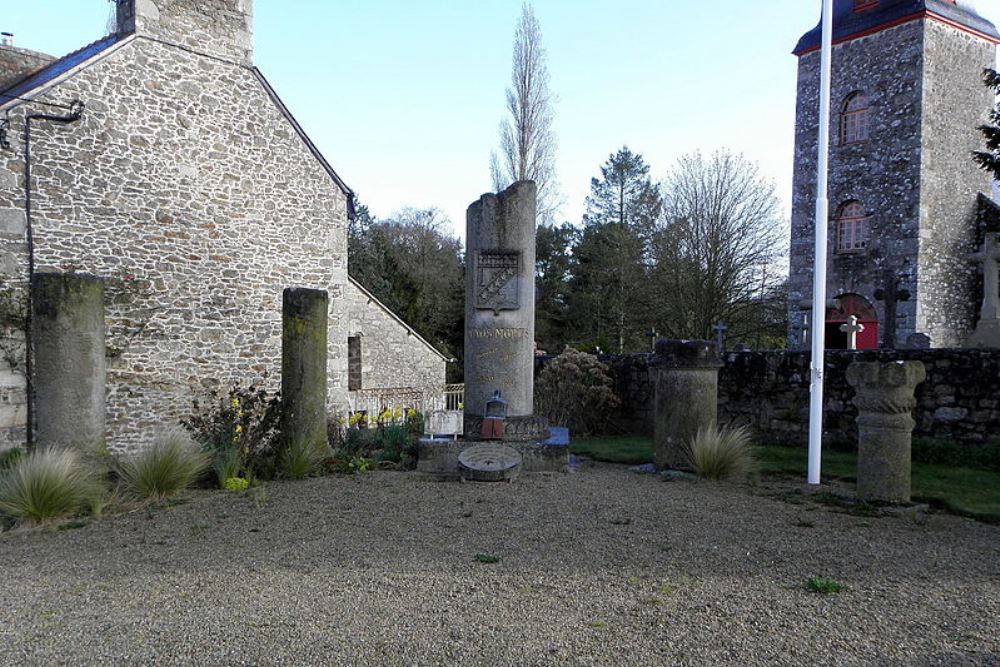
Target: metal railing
399,399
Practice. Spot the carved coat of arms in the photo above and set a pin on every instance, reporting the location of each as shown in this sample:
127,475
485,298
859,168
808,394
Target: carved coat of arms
497,280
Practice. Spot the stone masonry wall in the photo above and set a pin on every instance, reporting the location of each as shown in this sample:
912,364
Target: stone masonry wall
221,28
16,63
955,102
882,173
960,400
187,186
391,355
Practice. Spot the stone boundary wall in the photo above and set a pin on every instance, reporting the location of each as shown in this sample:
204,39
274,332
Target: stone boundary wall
959,401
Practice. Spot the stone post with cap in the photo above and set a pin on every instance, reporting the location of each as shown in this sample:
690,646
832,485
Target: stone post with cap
885,401
686,397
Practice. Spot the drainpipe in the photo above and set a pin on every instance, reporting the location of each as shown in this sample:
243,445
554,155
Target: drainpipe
76,112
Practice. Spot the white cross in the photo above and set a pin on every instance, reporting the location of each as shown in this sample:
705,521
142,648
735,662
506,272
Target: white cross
852,329
988,255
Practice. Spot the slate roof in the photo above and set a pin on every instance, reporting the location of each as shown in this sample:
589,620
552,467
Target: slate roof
80,57
57,68
848,23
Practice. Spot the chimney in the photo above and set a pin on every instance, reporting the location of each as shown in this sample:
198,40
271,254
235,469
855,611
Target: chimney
6,39
220,28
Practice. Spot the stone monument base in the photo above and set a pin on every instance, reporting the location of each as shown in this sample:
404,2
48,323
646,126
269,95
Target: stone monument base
440,457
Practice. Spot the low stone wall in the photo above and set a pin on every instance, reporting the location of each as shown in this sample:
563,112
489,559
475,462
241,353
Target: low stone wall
959,401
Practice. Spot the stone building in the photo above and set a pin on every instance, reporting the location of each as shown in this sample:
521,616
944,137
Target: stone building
906,199
182,179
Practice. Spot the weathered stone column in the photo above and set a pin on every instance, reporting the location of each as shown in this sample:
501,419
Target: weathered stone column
303,365
67,331
885,401
686,396
500,310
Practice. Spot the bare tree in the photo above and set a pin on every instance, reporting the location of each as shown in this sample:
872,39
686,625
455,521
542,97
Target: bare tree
718,248
527,143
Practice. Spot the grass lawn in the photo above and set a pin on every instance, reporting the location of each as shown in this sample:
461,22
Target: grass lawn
961,490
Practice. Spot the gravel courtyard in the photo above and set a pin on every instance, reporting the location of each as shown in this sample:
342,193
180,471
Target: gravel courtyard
599,567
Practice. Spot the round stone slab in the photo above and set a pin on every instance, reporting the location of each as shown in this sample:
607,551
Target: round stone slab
489,463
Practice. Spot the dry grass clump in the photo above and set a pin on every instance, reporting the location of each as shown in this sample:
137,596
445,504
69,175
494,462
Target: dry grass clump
722,453
47,485
171,465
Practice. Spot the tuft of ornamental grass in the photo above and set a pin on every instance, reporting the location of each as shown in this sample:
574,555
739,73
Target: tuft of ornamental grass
303,458
166,468
47,485
721,453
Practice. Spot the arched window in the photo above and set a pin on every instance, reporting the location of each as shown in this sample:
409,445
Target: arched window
852,227
854,119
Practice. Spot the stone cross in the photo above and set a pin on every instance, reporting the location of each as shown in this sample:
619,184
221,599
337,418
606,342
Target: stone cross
891,294
989,255
852,329
720,330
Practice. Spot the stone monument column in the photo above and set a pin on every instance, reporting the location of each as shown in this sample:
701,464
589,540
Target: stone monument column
305,315
885,401
500,311
685,397
67,331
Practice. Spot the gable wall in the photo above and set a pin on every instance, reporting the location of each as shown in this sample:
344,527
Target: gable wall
186,185
391,357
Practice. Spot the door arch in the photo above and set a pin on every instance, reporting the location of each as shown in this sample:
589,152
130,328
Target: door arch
845,306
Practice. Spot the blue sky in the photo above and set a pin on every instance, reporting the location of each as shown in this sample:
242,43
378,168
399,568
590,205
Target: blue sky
404,96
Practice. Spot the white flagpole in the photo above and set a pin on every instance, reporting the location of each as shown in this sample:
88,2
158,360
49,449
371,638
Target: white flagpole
819,258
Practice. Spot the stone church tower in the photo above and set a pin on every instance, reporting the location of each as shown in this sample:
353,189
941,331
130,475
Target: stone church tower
905,194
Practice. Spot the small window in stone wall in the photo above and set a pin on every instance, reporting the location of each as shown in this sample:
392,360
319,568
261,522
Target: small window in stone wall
852,227
353,363
854,119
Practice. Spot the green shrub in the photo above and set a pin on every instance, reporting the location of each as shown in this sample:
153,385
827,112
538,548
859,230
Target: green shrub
169,466
47,485
10,458
575,390
303,458
719,454
236,484
239,430
395,441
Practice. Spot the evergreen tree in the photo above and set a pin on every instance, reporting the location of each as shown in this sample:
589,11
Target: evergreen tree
552,273
989,160
610,297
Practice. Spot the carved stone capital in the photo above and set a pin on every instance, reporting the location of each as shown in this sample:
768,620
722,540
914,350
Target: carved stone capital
885,388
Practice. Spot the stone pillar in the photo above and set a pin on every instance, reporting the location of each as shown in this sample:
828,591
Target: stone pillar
686,396
885,401
303,365
500,307
67,332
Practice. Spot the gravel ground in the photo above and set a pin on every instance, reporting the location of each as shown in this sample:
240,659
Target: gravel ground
599,567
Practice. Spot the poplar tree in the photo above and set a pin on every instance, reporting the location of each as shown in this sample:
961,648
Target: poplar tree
527,143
